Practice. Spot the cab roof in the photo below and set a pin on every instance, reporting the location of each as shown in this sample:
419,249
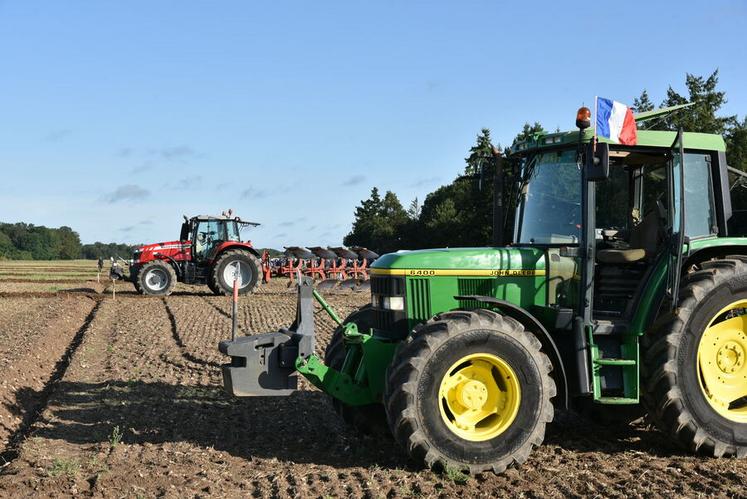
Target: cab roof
222,218
646,138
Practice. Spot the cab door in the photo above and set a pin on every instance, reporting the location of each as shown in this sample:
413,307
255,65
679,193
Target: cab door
208,233
676,217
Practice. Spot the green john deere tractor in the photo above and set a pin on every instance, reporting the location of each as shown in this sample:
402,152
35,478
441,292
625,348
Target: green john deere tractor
622,285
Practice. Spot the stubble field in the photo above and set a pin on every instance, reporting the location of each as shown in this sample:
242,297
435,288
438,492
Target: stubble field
122,398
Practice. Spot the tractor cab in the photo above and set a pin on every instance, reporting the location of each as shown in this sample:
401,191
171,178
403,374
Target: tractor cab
206,233
616,224
614,213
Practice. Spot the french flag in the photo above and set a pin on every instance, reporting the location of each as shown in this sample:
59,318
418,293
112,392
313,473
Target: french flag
615,121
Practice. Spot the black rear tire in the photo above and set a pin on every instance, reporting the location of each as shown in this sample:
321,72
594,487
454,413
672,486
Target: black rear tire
248,261
156,278
672,376
412,399
212,286
366,419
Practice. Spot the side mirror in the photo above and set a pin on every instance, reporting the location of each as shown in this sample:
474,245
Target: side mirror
597,162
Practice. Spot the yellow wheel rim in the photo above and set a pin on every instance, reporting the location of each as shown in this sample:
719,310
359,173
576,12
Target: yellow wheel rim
479,397
722,362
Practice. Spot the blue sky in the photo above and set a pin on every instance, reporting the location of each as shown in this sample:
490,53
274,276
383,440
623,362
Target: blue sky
118,117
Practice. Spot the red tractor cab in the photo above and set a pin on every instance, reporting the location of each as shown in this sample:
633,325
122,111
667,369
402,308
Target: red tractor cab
209,251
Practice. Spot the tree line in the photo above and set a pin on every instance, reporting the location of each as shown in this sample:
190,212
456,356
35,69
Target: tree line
461,212
22,241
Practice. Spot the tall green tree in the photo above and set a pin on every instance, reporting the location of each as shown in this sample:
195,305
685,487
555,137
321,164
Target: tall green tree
736,156
702,116
7,248
380,224
736,145
70,247
390,234
480,154
643,103
413,212
364,222
528,131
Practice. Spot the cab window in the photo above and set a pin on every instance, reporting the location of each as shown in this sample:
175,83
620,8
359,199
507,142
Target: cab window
207,235
232,232
700,219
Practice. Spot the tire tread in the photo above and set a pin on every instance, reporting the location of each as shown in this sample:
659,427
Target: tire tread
662,394
408,363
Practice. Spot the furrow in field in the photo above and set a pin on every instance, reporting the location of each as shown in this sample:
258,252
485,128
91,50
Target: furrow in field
36,361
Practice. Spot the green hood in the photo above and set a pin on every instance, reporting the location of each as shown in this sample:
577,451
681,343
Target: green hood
513,260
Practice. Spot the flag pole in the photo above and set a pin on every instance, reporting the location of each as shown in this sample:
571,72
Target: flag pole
596,112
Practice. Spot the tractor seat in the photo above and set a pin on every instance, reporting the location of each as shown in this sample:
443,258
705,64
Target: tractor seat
621,255
644,239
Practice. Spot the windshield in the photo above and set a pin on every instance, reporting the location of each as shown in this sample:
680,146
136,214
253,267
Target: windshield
550,201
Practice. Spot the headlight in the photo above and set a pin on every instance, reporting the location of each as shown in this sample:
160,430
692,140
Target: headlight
388,302
393,302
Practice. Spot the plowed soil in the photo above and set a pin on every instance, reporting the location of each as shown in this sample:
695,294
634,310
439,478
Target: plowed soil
122,398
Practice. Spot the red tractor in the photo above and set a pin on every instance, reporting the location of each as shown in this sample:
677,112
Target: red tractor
209,251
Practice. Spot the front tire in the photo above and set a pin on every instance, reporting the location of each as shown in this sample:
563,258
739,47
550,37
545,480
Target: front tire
135,278
156,278
696,371
469,390
249,272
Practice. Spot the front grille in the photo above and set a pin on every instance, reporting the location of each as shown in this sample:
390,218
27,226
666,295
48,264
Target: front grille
420,299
